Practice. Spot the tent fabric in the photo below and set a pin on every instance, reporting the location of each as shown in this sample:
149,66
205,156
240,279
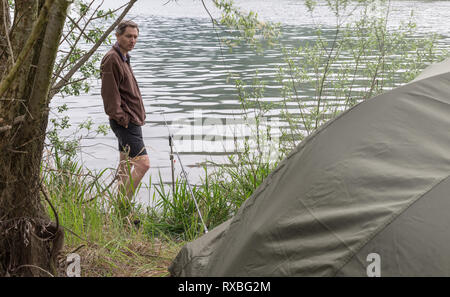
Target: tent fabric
435,69
417,244
195,255
373,180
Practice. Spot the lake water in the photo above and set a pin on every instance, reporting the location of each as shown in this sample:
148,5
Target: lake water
183,78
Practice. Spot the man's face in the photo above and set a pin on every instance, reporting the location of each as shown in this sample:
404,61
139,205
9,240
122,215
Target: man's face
128,39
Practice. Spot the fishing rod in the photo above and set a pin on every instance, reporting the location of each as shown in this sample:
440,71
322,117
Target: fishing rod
171,142
172,162
183,171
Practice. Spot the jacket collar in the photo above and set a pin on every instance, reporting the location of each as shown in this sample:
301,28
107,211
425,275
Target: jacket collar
124,58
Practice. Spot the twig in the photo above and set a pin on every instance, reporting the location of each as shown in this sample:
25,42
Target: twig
34,266
81,29
110,12
11,99
70,82
78,236
298,99
86,57
31,140
71,30
62,65
78,248
41,185
214,23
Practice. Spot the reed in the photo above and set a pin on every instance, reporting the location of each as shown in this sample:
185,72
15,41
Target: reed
219,196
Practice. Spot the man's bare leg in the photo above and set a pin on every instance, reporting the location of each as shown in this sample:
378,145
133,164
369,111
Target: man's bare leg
123,172
134,171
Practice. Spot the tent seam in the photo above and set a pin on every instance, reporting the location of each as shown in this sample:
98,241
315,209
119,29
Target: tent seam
348,258
325,125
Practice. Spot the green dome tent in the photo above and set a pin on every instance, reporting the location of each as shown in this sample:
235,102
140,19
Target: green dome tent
373,181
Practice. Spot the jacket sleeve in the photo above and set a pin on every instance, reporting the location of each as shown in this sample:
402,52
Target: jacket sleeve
111,76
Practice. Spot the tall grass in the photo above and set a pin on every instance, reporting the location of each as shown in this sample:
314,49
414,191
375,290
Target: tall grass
91,209
82,202
99,223
219,196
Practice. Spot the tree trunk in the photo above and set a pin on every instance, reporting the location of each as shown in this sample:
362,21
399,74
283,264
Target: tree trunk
5,42
29,241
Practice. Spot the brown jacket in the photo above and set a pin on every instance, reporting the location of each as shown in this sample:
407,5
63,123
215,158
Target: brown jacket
120,92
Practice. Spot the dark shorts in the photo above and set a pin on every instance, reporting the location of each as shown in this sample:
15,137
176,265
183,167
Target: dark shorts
130,139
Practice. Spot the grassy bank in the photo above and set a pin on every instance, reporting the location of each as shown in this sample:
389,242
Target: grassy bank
98,228
101,226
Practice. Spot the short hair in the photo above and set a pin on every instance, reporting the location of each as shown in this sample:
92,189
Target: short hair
123,26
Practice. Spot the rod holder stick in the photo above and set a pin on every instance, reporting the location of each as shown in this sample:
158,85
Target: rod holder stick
171,164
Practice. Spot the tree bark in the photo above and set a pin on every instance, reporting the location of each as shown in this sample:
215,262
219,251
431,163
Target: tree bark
24,48
28,239
5,41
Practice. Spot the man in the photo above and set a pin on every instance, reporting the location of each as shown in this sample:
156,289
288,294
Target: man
123,104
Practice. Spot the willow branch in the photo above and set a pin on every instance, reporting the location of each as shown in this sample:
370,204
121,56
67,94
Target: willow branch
63,63
72,29
111,12
56,88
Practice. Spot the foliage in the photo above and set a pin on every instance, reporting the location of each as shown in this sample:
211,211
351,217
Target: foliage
244,28
65,148
361,56
85,27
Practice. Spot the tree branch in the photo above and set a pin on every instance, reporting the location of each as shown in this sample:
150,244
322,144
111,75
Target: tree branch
72,29
57,87
37,267
82,33
109,13
47,58
35,33
63,63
